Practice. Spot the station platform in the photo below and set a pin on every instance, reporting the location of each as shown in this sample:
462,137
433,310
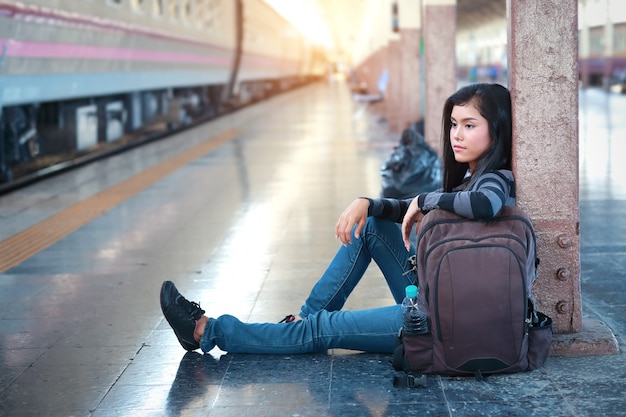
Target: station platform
240,214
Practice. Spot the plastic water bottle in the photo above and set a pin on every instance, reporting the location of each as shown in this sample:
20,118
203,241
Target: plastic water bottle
414,319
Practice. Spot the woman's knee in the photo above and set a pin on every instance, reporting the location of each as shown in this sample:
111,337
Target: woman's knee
381,227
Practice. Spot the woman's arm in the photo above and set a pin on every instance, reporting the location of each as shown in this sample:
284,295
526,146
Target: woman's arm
483,201
388,208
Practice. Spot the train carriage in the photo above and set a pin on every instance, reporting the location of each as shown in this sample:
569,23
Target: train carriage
82,76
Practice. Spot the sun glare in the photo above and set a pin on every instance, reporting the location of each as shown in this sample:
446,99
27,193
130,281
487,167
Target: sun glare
306,16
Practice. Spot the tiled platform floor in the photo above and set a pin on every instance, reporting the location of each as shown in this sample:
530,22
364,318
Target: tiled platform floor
246,230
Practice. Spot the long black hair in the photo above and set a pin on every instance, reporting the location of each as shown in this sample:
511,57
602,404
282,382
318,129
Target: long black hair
493,102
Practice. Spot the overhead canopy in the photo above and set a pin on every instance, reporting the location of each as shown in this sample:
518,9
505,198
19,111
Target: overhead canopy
358,27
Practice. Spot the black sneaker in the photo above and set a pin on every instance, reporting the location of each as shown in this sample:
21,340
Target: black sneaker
181,314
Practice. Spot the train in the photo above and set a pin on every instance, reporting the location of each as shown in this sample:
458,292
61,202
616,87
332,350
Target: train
87,77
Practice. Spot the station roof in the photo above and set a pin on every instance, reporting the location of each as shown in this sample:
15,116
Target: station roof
342,18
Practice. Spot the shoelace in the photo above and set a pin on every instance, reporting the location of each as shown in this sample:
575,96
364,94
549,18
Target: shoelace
194,309
197,311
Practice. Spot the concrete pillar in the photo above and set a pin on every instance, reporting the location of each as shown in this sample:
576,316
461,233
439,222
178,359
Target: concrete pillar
395,88
405,53
543,80
583,45
372,53
439,32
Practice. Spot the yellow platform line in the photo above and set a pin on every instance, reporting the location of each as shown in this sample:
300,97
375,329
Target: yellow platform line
38,237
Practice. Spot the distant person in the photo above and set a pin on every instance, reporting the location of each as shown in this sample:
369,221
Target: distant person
473,74
476,142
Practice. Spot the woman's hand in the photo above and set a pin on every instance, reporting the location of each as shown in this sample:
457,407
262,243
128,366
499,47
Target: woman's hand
413,216
355,213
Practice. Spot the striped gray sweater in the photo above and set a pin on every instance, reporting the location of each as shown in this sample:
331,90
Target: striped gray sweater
483,200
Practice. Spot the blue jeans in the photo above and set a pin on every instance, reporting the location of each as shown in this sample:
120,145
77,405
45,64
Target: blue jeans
324,325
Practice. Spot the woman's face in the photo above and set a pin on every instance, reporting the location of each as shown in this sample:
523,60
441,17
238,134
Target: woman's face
469,134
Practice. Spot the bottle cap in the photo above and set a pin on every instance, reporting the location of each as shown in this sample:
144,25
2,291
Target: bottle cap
411,291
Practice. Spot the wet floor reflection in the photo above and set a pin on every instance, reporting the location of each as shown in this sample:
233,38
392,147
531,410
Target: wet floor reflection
602,145
305,385
197,375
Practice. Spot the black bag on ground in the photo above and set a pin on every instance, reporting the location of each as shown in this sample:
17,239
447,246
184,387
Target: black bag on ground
475,280
412,168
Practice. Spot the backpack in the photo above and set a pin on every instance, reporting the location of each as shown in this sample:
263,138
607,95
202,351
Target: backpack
475,282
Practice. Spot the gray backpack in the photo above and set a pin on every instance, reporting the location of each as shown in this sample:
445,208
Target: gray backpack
475,280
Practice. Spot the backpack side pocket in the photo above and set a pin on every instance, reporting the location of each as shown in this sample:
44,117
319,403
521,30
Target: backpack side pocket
539,341
418,351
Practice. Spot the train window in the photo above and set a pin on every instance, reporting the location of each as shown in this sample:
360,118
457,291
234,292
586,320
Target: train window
185,10
157,7
198,9
136,5
173,9
596,41
619,37
212,13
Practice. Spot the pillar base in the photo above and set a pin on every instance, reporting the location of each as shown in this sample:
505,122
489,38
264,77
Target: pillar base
595,339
